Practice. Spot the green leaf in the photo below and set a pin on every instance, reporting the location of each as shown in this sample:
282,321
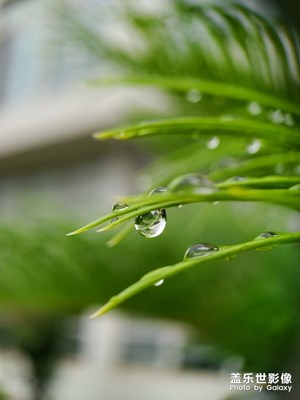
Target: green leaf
156,275
286,137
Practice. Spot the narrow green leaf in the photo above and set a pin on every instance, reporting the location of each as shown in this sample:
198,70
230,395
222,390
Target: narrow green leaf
284,136
156,275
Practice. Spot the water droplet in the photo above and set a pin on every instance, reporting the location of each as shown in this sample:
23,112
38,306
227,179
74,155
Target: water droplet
231,257
200,250
227,117
279,168
236,179
198,184
161,189
213,143
113,220
254,108
254,146
151,224
297,169
180,206
289,120
276,117
295,187
194,96
265,235
215,203
159,283
119,207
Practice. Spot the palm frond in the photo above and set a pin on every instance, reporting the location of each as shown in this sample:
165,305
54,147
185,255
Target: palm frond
216,51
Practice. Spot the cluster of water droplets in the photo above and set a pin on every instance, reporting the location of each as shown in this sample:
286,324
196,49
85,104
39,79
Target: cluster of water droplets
151,224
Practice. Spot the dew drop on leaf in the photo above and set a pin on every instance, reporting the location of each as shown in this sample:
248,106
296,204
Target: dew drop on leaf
254,146
200,250
194,96
279,168
119,207
236,179
151,224
289,120
266,235
161,189
159,283
113,220
195,183
276,117
213,143
254,108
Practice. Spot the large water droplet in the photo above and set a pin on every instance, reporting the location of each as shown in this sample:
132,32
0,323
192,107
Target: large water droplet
198,184
254,108
254,146
159,283
194,96
151,224
119,207
200,250
213,143
276,117
161,189
265,235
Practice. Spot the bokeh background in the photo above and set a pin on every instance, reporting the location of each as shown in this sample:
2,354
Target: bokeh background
181,340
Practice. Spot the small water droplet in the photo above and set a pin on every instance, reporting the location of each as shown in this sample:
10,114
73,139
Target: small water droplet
254,108
151,224
213,143
193,182
161,189
276,117
119,207
231,257
236,179
194,96
289,120
254,146
266,235
215,203
120,135
180,206
200,250
227,118
279,168
295,187
297,169
113,220
159,283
